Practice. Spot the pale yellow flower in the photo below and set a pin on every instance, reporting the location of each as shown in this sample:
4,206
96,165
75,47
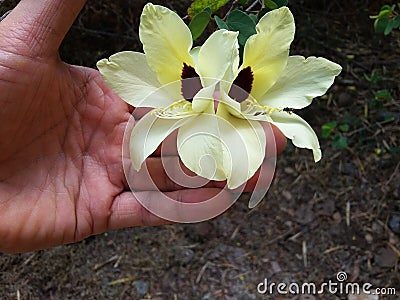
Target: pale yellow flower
224,140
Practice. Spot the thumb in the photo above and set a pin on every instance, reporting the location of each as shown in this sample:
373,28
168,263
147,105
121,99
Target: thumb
36,28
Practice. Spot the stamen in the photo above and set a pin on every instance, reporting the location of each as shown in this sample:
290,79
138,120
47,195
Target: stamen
251,108
176,110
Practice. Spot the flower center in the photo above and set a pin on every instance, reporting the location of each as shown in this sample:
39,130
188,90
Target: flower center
191,83
241,87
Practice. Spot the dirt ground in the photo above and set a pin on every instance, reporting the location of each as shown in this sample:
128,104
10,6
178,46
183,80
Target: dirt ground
341,214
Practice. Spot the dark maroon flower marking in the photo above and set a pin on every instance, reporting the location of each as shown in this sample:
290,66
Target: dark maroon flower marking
242,85
191,83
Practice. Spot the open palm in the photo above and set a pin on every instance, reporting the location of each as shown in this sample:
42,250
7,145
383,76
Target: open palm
61,133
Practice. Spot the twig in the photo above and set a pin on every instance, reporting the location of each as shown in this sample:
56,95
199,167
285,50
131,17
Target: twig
234,233
304,248
379,124
112,259
122,280
279,237
29,259
202,270
252,6
397,251
234,4
348,213
327,251
117,262
396,171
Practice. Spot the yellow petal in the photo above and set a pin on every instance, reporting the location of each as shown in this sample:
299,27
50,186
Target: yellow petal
148,134
228,103
246,142
166,42
301,81
222,147
200,147
298,130
218,58
194,53
204,100
130,77
267,51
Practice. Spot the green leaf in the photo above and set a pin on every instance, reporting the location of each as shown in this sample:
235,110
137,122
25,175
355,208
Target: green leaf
278,3
271,4
344,128
220,23
383,95
396,22
381,24
242,22
389,27
199,24
340,142
254,17
200,5
328,128
243,2
281,3
384,13
263,12
208,10
388,7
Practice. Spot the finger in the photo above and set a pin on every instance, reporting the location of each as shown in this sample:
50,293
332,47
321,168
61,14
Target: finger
276,141
166,174
169,174
168,147
127,209
36,28
140,112
261,180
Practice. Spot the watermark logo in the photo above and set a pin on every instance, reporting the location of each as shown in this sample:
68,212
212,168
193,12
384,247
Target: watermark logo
341,276
340,286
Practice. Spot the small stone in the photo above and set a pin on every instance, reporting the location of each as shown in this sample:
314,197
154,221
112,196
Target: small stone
345,99
369,238
289,224
287,195
141,287
304,214
394,223
337,217
289,170
325,208
276,268
185,256
386,258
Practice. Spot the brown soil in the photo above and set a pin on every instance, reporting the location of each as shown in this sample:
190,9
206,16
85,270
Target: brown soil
317,219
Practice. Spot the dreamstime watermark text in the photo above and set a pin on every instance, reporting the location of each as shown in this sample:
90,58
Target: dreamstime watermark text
340,286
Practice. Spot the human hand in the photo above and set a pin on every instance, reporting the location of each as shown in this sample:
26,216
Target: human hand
61,133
